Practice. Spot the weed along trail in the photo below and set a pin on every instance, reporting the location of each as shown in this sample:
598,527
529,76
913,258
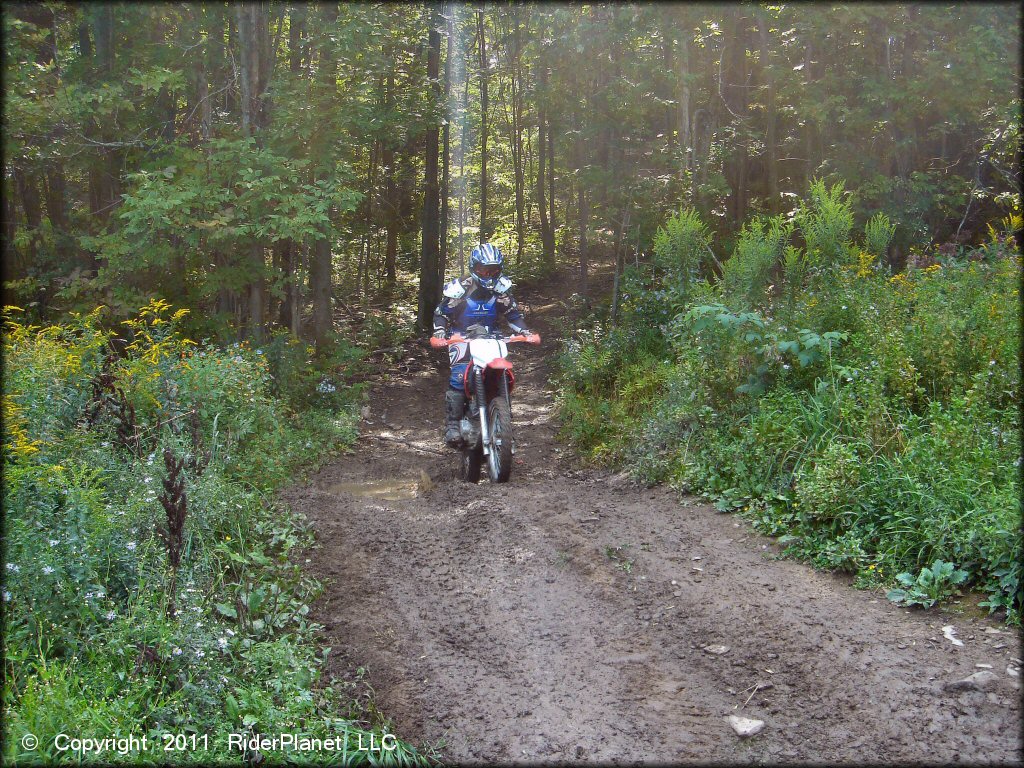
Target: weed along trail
570,615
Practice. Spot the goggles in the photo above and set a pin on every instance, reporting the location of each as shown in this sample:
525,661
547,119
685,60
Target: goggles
487,271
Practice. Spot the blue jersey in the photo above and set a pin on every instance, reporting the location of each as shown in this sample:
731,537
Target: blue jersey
465,303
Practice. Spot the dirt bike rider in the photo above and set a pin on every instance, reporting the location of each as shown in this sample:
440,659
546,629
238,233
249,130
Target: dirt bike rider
482,299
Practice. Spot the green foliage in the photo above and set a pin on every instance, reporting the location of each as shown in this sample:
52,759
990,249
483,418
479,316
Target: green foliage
104,633
931,585
681,245
825,221
878,234
760,247
822,413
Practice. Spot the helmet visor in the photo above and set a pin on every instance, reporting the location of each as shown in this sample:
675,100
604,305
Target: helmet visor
487,271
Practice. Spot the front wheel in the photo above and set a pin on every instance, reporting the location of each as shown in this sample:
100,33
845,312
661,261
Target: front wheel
470,462
499,459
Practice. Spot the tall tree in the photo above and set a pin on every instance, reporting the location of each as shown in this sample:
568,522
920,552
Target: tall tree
321,272
430,256
485,231
547,235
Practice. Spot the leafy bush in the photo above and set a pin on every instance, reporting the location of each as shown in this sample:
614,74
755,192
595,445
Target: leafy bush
878,232
149,586
825,221
681,246
822,412
931,585
760,246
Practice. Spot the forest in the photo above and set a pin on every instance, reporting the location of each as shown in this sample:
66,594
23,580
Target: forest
790,234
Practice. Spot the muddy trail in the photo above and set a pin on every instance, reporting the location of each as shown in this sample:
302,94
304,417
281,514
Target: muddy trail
569,615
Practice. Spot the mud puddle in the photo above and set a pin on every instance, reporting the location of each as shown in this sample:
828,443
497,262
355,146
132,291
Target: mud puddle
385,490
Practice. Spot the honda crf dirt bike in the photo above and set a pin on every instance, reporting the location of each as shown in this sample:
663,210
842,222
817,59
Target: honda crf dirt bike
486,427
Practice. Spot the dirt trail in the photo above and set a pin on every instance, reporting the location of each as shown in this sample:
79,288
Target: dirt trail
567,615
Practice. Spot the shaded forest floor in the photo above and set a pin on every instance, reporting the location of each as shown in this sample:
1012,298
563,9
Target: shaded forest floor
569,615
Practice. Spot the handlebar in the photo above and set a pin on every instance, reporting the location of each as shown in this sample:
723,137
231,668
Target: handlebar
532,338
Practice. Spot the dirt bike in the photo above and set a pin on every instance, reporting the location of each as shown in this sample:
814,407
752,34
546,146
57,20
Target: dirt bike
487,431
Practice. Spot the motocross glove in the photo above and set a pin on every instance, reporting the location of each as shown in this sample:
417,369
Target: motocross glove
439,333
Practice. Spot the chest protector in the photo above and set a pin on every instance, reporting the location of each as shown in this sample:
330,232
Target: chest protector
480,312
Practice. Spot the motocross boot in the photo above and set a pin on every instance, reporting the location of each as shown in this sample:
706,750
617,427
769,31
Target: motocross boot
454,407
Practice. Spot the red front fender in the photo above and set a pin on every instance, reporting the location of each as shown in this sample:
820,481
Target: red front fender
501,366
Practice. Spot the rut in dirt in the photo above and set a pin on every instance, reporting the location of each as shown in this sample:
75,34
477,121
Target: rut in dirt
570,616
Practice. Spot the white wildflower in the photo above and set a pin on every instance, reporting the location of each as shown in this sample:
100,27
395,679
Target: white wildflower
177,651
7,596
131,545
47,570
54,542
200,653
13,568
111,615
222,642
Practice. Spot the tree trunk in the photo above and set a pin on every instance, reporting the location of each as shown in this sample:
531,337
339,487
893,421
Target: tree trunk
320,266
482,46
517,139
583,213
28,192
547,237
667,68
551,178
391,203
446,164
430,279
770,139
685,133
56,204
734,93
463,204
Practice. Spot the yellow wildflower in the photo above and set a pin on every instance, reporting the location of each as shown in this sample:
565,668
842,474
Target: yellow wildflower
865,261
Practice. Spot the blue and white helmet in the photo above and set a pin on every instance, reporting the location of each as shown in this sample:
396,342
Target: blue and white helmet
485,264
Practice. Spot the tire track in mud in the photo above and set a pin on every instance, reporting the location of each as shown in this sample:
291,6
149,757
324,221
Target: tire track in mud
565,616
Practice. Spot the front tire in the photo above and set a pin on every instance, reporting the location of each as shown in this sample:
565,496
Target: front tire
499,460
470,462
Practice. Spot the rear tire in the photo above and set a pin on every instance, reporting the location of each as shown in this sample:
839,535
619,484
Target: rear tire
499,460
470,462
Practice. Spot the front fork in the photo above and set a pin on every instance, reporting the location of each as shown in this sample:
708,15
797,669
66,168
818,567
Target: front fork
481,409
481,406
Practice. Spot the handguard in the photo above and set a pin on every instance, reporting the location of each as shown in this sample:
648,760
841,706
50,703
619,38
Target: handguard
437,343
530,338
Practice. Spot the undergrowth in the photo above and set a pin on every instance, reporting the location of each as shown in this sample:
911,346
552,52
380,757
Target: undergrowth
151,585
869,419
